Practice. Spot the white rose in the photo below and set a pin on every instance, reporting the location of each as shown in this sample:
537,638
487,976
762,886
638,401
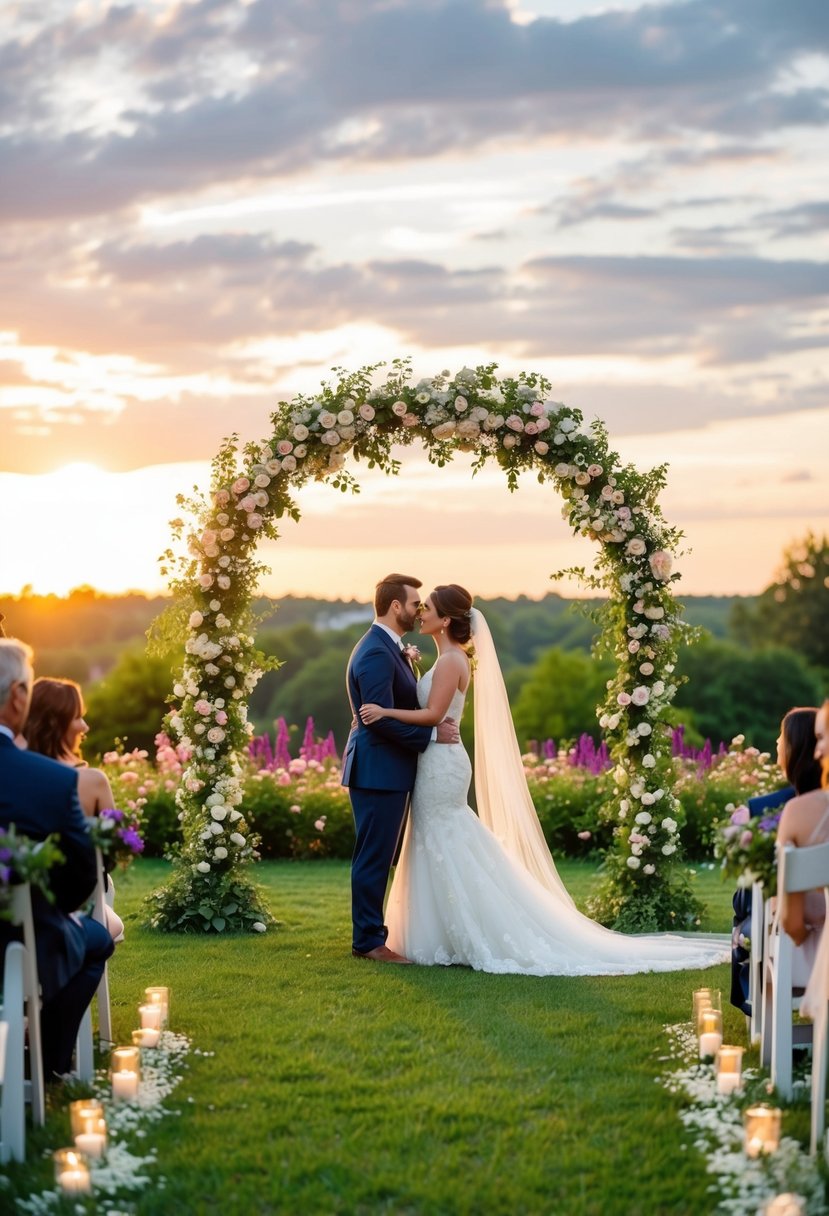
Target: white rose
643,817
634,863
258,927
203,867
237,838
218,812
220,854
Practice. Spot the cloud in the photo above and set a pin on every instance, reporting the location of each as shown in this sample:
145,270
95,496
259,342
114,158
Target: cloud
211,91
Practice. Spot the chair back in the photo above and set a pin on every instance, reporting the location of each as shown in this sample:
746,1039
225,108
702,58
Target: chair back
804,869
13,1034
21,907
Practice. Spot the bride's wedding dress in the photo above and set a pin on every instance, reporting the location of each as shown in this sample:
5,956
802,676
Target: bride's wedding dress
463,895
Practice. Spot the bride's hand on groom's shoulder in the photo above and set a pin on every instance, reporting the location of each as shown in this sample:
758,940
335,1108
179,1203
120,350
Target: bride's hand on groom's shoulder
370,713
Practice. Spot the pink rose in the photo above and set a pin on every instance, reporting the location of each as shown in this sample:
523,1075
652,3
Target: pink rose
640,696
531,428
202,707
284,447
746,839
661,564
319,824
515,423
366,411
537,409
400,408
541,447
584,835
595,470
206,580
623,698
461,404
444,430
240,485
288,464
410,420
248,503
635,546
741,816
254,521
221,498
221,717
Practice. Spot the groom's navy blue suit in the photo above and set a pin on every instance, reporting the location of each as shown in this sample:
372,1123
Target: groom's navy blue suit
379,769
40,796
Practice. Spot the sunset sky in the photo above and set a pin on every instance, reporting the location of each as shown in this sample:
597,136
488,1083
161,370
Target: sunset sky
205,206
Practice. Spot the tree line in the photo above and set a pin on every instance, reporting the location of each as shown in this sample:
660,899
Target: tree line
757,657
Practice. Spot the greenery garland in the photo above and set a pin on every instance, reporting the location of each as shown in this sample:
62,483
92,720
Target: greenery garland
514,422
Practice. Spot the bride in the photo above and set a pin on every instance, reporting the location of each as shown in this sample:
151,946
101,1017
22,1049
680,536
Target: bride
482,890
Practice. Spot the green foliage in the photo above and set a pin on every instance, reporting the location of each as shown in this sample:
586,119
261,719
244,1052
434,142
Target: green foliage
128,704
23,860
558,700
794,609
730,691
649,907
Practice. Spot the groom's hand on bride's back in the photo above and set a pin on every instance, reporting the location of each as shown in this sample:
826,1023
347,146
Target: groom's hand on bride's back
448,731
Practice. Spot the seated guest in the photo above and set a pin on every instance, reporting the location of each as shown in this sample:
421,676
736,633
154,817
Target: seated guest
40,797
805,821
796,761
55,727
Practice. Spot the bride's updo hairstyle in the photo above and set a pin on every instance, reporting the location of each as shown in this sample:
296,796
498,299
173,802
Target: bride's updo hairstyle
455,603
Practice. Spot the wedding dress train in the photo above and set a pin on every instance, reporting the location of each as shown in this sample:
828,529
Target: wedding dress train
463,894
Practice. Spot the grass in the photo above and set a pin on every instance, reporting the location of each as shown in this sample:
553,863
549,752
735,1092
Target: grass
345,1087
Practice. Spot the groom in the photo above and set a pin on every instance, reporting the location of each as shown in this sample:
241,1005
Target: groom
380,760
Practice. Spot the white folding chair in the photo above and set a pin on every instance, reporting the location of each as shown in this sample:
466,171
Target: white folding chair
12,1050
21,907
799,870
84,1051
820,1021
755,962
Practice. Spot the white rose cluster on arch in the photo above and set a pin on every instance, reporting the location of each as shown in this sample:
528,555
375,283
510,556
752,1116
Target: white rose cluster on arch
513,421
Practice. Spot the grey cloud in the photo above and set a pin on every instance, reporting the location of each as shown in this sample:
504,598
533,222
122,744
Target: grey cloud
803,219
419,78
797,475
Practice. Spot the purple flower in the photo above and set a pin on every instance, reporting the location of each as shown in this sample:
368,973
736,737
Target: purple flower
769,823
111,813
131,839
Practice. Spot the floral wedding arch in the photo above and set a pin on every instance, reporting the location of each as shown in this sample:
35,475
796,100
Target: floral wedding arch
508,420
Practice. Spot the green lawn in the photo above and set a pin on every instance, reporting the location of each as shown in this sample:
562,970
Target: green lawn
345,1087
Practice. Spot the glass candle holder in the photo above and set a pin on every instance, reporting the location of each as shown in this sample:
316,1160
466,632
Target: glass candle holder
146,1037
89,1129
729,1068
710,1032
787,1204
151,1016
159,996
71,1172
125,1073
762,1129
705,998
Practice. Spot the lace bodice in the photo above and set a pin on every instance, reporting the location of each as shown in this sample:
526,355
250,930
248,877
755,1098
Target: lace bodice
424,687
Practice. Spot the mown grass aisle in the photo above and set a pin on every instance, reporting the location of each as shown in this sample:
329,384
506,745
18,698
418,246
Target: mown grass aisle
341,1086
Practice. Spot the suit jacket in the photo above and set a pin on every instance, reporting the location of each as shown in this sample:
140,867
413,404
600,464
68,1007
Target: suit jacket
382,756
40,797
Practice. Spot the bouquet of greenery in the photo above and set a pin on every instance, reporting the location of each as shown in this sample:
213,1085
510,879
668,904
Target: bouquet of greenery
23,860
747,847
116,834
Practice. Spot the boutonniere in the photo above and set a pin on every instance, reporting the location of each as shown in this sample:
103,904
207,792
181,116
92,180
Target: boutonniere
412,656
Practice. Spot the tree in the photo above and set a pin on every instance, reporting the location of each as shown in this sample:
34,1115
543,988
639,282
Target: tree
794,609
559,699
129,703
730,691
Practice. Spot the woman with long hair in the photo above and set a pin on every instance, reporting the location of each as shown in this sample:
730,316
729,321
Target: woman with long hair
56,727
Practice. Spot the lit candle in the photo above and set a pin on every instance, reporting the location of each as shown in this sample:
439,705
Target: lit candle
787,1204
126,1073
160,996
710,1036
93,1144
71,1172
84,1114
704,999
146,1037
151,1017
762,1130
729,1066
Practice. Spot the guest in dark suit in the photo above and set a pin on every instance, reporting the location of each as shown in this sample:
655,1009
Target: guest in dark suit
796,760
380,760
40,797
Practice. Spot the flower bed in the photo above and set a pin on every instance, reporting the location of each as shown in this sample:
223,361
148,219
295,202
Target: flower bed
298,808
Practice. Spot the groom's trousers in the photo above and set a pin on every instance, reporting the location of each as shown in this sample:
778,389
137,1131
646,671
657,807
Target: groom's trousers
378,819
